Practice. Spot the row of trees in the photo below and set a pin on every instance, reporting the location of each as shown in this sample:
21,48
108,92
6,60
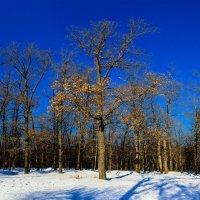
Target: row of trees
107,111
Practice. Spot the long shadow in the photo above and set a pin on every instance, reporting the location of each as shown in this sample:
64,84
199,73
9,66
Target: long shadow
8,173
163,195
188,178
120,176
183,193
131,192
189,193
72,194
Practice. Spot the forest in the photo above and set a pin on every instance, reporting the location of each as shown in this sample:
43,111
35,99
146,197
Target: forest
106,109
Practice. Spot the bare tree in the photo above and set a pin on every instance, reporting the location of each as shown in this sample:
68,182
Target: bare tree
108,51
30,64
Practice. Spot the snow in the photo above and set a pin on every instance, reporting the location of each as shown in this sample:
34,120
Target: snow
73,184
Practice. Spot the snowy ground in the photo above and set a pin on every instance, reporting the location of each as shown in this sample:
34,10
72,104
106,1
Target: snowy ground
85,185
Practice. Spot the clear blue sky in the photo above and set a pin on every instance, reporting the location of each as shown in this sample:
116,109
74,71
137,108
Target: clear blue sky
45,22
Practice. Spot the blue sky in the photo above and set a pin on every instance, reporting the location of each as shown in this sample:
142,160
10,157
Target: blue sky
45,22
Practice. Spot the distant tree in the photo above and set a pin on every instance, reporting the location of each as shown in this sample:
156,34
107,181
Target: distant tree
30,64
6,95
196,130
170,90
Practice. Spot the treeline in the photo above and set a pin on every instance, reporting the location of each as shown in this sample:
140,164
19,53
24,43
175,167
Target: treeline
106,110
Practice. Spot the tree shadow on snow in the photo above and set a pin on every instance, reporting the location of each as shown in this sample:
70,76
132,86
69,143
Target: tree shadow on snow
8,172
167,190
132,191
120,176
189,193
72,194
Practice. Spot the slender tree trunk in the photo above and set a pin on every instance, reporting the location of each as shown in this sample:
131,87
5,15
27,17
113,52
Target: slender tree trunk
159,135
181,161
110,152
137,152
60,151
159,155
79,144
196,130
37,158
78,159
16,134
195,155
26,128
166,135
96,154
110,157
42,159
4,129
165,167
55,136
80,152
144,158
27,145
170,156
82,131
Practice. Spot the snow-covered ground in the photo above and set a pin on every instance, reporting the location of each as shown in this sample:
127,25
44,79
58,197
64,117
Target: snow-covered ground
84,184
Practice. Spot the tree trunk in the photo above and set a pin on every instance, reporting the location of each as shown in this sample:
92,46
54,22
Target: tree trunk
181,161
4,129
82,131
170,156
96,154
101,126
110,153
101,154
159,155
165,167
27,145
196,130
60,152
166,135
137,153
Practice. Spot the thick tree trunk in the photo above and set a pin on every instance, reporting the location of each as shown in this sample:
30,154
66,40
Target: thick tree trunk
101,126
102,152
